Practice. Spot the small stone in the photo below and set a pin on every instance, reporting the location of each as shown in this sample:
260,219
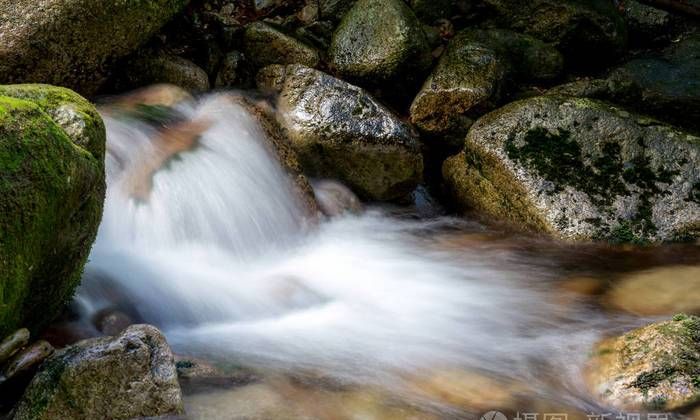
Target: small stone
27,360
335,199
111,321
265,45
166,69
13,343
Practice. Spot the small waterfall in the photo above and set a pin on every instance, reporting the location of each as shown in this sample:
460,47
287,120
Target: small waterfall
215,252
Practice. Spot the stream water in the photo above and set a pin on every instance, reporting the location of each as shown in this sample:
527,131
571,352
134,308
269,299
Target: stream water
392,313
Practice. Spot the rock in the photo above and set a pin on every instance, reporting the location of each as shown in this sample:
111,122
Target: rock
13,343
339,131
132,375
335,199
379,40
661,291
165,69
471,76
588,33
655,367
580,169
666,85
265,45
57,42
201,376
233,71
646,23
583,285
26,360
52,184
111,321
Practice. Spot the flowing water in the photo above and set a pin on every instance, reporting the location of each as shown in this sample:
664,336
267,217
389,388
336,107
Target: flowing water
388,308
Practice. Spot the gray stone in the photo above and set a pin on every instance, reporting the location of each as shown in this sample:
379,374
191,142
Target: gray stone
167,69
265,45
580,169
13,343
339,131
132,375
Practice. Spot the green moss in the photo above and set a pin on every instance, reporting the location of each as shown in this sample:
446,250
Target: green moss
52,188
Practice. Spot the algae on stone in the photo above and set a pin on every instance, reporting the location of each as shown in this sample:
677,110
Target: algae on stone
52,185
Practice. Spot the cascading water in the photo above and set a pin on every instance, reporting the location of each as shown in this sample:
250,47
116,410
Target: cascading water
218,254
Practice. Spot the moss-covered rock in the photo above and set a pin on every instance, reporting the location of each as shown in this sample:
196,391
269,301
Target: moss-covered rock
656,367
265,45
587,32
580,169
128,376
646,24
379,40
473,73
52,185
661,291
73,43
339,131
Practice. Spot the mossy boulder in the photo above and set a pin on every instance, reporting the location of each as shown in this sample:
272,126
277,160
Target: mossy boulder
339,131
265,44
74,43
129,376
52,184
473,74
646,24
656,367
379,40
587,32
580,169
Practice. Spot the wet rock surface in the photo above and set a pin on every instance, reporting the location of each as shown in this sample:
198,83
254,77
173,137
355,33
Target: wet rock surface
339,131
653,367
580,169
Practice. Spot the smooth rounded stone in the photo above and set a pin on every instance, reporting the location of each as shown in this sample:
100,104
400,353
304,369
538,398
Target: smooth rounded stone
111,321
132,375
52,167
26,360
13,343
653,367
661,291
587,32
580,169
57,42
339,131
265,45
472,75
165,69
379,40
335,199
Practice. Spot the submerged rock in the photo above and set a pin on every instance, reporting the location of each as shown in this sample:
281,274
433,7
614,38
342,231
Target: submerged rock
379,40
660,291
59,42
265,45
655,367
339,131
587,32
472,75
580,169
132,375
335,199
52,187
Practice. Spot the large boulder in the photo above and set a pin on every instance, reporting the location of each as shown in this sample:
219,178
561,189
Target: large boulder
73,43
655,367
128,376
587,31
379,40
580,169
473,73
52,184
339,131
265,45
